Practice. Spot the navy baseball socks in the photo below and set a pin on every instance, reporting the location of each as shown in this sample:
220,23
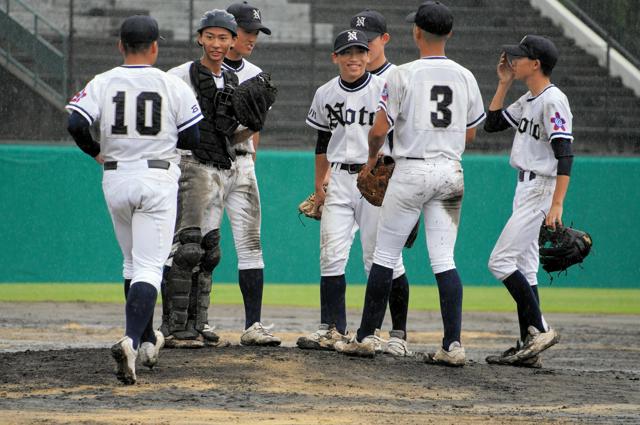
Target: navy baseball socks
148,335
251,285
528,308
450,290
376,299
399,304
332,302
522,319
141,301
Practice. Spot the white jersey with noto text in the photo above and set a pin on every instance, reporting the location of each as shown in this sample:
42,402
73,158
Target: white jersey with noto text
538,120
348,113
141,109
430,103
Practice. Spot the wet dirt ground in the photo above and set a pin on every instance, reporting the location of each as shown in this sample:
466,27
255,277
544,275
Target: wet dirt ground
55,368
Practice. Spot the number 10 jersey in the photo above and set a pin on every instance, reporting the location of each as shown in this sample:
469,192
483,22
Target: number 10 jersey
431,102
141,109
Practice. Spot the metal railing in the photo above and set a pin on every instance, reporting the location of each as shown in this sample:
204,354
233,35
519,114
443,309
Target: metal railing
31,57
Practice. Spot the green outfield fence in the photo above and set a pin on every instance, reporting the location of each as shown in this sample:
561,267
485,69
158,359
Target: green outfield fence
54,226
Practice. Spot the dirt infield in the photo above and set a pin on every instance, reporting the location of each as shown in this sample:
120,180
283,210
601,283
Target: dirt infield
55,368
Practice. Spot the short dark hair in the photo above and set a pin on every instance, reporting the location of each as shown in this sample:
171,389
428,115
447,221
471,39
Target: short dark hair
135,48
546,69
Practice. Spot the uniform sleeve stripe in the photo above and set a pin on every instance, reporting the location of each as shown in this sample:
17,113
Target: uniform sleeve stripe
560,134
189,123
477,120
383,107
81,112
314,124
509,118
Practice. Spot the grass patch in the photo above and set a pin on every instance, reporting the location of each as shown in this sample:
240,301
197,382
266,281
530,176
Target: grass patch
476,298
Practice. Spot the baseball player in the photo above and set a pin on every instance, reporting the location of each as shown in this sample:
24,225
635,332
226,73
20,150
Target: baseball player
143,113
342,111
374,25
542,156
434,105
211,183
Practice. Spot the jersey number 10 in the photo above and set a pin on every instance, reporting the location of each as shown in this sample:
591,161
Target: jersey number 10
119,126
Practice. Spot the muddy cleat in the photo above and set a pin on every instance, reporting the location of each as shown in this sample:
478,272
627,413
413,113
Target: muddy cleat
505,358
212,339
312,341
536,343
172,341
258,334
149,352
366,348
397,345
125,357
454,356
380,344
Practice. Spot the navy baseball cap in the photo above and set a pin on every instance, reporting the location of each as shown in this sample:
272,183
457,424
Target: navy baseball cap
139,29
535,47
350,38
248,17
218,18
433,17
369,21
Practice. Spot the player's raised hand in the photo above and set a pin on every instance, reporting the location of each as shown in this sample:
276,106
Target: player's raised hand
504,69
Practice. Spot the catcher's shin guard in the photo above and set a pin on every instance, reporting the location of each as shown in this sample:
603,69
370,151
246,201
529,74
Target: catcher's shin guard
178,285
210,259
164,327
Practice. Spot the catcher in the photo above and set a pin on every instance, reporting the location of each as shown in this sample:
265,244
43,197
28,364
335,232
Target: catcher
342,112
211,182
542,156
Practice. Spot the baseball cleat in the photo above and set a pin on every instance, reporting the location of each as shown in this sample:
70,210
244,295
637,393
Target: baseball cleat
454,356
312,341
149,352
505,358
365,348
258,334
397,345
172,341
212,339
125,356
379,343
536,343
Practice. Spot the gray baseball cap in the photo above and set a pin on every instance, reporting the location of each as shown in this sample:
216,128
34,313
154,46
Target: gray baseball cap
433,17
350,38
218,18
370,22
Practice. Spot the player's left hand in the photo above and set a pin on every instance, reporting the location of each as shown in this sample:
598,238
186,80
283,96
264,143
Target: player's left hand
554,217
99,159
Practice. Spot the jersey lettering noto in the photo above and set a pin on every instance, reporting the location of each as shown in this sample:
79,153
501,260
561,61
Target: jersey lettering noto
348,113
538,120
430,103
137,103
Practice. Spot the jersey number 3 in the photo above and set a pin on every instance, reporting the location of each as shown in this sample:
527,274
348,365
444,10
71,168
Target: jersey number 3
119,126
444,97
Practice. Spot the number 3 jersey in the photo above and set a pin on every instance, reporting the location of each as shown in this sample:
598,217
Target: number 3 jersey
538,120
431,102
141,109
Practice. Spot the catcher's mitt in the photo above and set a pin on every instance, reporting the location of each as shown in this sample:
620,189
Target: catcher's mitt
252,100
562,248
373,185
309,208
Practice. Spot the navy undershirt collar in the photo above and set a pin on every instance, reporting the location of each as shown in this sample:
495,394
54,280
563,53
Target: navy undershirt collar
357,84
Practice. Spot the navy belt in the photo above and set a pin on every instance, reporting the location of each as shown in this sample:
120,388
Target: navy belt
522,175
415,158
151,163
351,168
242,153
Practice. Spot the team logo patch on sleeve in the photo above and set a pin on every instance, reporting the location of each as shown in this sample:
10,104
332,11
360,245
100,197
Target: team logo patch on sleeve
385,93
558,122
78,96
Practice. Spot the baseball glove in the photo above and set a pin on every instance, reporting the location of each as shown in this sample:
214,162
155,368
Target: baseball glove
252,100
309,208
373,185
562,248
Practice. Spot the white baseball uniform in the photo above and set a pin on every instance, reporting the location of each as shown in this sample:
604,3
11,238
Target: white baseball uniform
537,121
347,113
141,110
430,102
235,190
